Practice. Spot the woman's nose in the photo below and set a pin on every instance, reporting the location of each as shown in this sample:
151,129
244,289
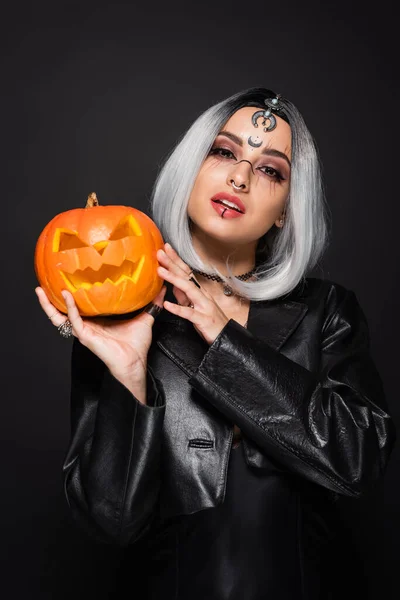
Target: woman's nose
239,176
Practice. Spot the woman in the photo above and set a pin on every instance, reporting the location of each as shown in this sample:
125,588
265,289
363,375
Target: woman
217,435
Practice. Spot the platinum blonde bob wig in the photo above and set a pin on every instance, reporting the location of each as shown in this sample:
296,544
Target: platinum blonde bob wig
284,255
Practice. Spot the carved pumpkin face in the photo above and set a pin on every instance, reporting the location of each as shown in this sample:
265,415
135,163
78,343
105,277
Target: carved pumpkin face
104,255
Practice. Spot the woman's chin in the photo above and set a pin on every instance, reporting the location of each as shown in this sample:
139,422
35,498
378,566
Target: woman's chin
220,236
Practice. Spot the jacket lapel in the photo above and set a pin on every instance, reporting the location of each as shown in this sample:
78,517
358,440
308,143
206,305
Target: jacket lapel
272,321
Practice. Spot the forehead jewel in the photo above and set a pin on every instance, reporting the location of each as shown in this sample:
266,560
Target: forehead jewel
274,105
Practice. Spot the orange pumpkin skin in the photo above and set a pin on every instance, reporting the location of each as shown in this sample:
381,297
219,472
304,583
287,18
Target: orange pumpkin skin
104,255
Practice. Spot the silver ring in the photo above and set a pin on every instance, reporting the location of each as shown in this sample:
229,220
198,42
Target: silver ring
65,329
52,315
153,309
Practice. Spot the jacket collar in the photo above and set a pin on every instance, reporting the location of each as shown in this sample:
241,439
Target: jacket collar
272,321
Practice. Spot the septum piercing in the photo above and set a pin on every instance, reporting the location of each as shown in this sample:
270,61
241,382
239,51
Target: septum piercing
243,160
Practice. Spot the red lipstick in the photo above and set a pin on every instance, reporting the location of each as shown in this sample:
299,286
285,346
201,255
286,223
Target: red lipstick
230,198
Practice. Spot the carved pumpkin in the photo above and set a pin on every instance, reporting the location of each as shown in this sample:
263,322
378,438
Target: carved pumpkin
104,255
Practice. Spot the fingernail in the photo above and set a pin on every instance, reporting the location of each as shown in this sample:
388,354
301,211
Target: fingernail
63,295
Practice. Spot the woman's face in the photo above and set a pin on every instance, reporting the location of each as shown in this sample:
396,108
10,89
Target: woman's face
261,175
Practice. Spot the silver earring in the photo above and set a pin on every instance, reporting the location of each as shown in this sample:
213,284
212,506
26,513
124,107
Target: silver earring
281,221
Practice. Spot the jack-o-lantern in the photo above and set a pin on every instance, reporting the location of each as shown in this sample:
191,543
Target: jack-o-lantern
104,255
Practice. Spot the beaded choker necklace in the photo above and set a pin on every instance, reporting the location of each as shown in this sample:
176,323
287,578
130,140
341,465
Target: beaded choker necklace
228,291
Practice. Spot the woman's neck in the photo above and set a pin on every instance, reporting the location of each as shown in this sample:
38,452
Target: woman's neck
213,252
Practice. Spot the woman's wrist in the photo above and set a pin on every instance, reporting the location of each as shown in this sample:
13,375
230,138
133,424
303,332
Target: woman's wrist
136,384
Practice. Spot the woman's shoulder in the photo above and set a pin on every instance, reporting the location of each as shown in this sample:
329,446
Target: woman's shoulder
318,287
332,301
316,291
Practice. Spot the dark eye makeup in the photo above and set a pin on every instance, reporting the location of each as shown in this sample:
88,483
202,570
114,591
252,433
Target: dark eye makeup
224,153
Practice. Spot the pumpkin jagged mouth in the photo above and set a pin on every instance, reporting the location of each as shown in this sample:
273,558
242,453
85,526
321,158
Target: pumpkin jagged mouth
87,278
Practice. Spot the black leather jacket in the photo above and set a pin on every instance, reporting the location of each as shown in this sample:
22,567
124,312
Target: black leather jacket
299,382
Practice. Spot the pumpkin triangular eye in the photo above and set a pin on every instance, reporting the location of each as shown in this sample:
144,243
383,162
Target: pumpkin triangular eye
126,227
66,240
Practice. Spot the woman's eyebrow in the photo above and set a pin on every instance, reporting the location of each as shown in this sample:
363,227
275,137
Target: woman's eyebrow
267,151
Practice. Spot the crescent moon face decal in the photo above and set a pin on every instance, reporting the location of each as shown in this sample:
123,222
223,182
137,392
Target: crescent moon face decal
253,143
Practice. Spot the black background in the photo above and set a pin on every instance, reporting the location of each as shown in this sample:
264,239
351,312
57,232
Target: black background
94,95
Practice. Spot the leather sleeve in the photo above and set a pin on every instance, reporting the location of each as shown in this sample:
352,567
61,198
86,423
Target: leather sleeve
112,466
331,427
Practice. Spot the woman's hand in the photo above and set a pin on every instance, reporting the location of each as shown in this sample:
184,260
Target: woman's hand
122,345
194,304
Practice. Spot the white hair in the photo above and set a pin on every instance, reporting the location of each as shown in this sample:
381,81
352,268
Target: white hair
284,255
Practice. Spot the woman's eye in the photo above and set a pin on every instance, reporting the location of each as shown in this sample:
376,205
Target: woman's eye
270,171
222,152
273,173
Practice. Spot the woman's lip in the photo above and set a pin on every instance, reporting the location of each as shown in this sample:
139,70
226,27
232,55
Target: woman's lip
223,211
231,198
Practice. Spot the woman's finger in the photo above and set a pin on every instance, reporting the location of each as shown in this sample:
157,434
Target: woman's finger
158,301
73,314
175,265
180,296
172,264
182,266
183,283
56,317
173,255
186,312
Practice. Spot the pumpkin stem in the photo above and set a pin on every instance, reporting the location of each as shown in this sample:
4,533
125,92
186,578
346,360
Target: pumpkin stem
92,201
